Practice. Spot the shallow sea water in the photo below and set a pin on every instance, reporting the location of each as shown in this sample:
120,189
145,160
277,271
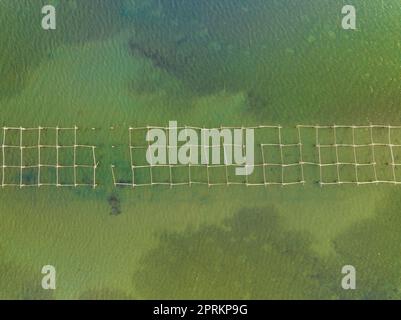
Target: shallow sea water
136,63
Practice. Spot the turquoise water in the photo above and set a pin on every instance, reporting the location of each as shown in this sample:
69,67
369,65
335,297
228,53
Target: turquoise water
134,63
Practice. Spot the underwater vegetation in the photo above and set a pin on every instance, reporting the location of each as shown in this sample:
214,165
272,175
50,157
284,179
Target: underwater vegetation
24,47
115,204
202,43
286,60
251,256
18,282
373,248
291,56
281,53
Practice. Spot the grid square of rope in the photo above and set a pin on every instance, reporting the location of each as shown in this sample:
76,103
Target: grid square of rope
343,154
46,156
264,172
367,157
284,160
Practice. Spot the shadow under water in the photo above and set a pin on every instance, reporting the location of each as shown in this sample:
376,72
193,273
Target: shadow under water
251,256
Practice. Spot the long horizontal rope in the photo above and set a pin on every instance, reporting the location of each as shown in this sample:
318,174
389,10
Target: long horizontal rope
367,154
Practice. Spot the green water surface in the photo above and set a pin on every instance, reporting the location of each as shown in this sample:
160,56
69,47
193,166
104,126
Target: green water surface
203,63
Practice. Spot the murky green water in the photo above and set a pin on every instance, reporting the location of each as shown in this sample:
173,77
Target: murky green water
203,63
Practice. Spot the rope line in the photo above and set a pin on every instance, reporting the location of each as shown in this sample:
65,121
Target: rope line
340,154
337,151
